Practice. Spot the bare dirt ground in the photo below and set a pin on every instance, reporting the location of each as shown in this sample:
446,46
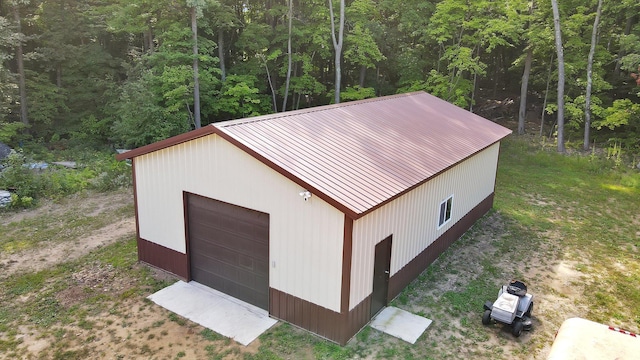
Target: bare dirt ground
50,253
131,327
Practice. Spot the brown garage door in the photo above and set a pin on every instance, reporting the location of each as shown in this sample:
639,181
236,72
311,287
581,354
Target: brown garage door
229,249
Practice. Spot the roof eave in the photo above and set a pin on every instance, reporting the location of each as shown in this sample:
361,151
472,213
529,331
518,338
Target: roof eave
178,139
408,190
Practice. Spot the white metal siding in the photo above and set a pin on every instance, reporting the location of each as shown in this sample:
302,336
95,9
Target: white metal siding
412,219
305,237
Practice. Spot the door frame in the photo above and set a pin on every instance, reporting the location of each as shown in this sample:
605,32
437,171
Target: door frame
189,253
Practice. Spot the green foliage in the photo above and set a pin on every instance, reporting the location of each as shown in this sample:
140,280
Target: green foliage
123,74
8,81
16,176
575,112
10,131
361,47
240,98
440,85
47,102
110,174
352,93
623,118
631,44
101,172
139,117
623,112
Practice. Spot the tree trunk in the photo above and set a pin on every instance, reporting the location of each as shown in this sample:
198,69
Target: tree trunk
337,46
546,94
522,113
289,59
150,39
473,91
273,91
223,69
363,75
587,101
497,59
20,62
196,80
475,83
560,55
59,75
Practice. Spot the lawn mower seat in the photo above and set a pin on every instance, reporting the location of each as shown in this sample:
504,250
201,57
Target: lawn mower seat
517,288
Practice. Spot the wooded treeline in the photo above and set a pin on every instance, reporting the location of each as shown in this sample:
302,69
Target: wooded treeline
124,72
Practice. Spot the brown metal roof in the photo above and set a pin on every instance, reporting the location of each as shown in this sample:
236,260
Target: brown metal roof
359,155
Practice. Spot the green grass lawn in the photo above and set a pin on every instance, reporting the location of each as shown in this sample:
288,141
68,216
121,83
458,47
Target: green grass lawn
593,210
548,208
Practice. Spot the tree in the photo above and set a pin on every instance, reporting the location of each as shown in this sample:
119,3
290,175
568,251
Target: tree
223,19
337,46
587,105
560,57
361,49
139,118
90,65
19,56
522,112
289,58
7,80
524,86
196,11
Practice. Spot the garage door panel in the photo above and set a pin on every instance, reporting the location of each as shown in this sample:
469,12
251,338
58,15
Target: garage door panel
244,217
226,270
240,245
212,222
243,258
237,290
229,249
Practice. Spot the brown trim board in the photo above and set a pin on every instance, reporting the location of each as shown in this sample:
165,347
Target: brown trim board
185,211
329,324
167,259
178,139
135,196
347,251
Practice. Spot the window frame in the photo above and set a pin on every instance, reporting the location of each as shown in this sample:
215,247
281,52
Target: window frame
445,206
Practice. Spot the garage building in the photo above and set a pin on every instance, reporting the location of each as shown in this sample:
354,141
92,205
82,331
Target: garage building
320,216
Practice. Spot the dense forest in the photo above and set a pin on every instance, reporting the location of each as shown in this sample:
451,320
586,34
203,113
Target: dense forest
124,73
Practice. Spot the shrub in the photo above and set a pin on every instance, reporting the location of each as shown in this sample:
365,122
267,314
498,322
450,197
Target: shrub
19,178
110,173
21,202
101,172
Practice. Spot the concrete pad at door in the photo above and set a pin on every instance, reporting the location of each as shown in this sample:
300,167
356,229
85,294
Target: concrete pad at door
214,310
401,324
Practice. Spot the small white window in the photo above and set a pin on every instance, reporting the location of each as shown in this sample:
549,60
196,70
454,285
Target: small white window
445,211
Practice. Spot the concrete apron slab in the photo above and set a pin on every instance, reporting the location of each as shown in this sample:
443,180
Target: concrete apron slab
215,310
401,324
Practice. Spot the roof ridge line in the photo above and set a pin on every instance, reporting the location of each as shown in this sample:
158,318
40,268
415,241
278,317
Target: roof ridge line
312,109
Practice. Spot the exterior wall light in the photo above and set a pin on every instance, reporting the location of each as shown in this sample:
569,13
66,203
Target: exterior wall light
305,195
